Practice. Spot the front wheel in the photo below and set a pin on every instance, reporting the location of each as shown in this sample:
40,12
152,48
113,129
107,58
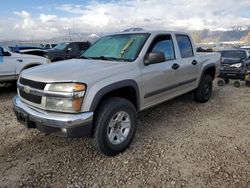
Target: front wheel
115,126
203,93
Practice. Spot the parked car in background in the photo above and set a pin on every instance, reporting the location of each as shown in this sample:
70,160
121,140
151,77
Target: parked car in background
12,64
245,48
68,50
18,49
99,95
235,64
48,46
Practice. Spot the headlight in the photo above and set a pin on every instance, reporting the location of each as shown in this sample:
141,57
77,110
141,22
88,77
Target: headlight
237,65
71,104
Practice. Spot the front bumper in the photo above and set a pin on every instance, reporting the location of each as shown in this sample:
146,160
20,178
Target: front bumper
233,75
62,124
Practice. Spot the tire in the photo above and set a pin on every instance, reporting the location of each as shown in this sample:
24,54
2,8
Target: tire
247,83
203,93
237,84
221,82
113,115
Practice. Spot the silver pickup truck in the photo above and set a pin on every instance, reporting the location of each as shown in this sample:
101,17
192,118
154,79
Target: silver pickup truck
100,94
12,64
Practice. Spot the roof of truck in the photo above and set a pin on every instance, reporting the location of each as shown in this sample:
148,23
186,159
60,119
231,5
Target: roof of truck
154,32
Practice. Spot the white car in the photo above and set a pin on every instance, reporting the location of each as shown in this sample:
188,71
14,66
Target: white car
12,64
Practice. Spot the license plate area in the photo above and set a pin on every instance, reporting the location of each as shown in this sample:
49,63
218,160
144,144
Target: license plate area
22,117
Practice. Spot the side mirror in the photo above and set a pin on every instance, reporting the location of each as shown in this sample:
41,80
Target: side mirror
69,50
154,57
6,53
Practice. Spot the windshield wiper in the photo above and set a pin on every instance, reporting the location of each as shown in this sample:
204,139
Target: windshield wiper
84,57
110,58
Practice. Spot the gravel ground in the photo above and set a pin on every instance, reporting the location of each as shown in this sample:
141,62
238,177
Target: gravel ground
178,144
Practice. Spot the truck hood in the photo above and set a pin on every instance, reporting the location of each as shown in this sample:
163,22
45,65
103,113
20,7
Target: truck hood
26,56
75,70
231,60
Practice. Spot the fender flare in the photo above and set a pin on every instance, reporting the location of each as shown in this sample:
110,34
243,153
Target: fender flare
117,85
212,65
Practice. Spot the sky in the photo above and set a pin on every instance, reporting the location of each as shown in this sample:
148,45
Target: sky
44,19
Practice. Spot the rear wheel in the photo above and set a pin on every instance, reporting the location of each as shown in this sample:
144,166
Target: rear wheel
203,93
115,126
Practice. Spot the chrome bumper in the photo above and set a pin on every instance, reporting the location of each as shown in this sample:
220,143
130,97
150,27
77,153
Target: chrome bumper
52,122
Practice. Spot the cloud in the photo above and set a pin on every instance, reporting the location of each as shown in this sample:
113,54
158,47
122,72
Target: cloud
96,16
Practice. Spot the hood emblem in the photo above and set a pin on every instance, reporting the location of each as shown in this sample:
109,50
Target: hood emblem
26,89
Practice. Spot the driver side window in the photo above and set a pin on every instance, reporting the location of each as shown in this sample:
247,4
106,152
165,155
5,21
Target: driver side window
165,45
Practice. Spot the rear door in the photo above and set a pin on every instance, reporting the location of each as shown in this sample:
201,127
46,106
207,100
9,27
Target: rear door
189,65
158,79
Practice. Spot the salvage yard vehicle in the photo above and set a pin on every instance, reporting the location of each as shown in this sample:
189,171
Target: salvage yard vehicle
69,50
235,64
12,64
100,94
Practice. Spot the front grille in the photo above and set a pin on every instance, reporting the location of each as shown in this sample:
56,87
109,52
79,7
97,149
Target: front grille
29,97
32,84
231,69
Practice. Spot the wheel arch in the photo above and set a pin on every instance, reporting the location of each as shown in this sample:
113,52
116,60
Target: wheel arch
127,89
210,70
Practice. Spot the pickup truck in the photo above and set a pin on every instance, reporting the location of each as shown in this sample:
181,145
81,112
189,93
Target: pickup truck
66,50
100,94
12,64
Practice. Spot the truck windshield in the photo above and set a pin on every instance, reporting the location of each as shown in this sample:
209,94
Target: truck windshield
234,54
61,46
120,47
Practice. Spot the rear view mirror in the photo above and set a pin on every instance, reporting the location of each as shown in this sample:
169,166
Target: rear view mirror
154,57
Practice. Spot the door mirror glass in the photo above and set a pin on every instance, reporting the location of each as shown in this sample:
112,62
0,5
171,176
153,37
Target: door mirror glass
155,57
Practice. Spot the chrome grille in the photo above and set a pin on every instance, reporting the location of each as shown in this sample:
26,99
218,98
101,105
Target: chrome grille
30,97
32,84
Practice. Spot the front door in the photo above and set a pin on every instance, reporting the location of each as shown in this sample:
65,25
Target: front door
159,81
7,65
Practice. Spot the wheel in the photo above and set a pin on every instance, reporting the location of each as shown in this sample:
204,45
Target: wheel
115,126
221,82
247,83
226,80
203,93
2,84
237,84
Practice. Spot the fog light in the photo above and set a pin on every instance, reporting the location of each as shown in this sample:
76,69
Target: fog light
64,130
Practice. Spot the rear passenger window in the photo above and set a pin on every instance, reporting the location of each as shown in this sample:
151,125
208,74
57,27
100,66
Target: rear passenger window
185,46
165,45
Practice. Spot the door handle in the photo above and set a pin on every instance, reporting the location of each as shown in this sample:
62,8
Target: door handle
175,66
20,60
194,62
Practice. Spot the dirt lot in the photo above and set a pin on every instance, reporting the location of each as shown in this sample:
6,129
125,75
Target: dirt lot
178,144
